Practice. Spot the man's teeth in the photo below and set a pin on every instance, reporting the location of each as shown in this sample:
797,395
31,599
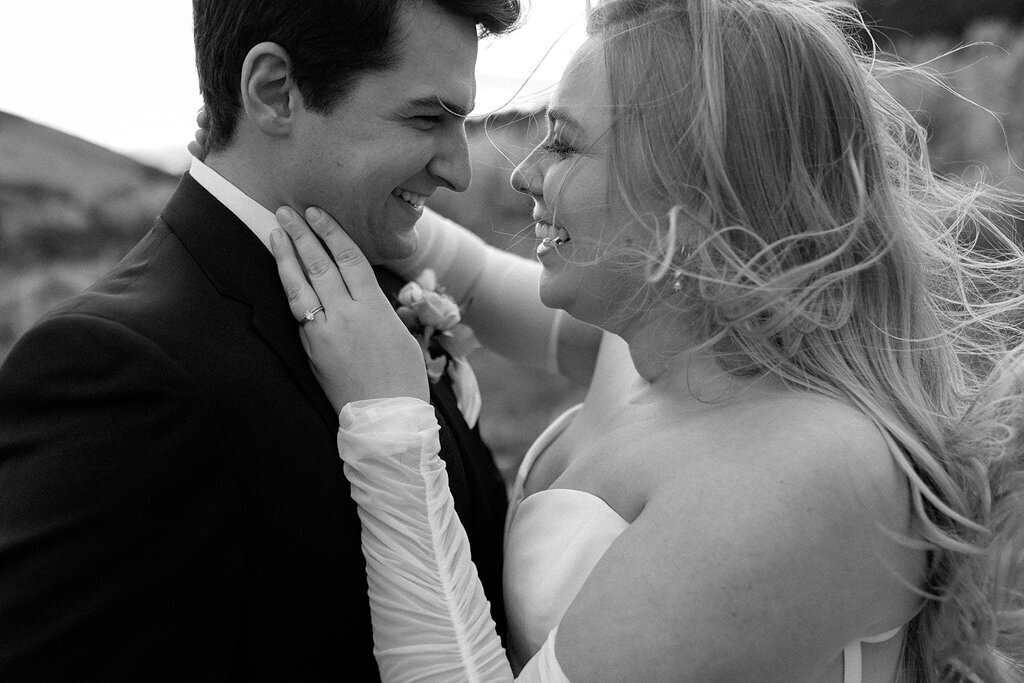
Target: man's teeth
417,201
550,233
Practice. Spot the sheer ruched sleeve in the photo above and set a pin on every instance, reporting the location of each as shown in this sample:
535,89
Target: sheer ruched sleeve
431,620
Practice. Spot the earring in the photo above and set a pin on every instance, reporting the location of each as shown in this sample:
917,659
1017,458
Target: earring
678,273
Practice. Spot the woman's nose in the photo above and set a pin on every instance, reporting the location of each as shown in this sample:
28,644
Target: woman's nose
528,177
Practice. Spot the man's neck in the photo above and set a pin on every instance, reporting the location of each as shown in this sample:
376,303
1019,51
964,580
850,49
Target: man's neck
257,216
246,175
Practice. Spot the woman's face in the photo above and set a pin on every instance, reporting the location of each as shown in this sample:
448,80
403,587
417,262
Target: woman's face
567,176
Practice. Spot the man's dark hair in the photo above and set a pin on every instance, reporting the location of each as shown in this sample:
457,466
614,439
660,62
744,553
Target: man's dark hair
331,43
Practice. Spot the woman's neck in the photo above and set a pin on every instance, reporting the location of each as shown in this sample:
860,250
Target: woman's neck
662,349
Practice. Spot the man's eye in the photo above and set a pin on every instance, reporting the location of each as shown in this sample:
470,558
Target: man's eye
426,121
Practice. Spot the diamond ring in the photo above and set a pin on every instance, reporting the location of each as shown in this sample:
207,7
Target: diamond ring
310,314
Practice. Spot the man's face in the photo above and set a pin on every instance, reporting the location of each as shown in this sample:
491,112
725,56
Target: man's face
395,138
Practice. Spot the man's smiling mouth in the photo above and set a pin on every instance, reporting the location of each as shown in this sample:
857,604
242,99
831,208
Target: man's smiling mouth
414,200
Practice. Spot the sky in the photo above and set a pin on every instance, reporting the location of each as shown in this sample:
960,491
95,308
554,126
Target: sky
121,73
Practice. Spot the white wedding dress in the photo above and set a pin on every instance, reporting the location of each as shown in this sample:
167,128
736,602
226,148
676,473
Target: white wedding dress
553,540
431,620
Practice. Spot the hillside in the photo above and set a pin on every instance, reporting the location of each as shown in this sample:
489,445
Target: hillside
31,153
61,196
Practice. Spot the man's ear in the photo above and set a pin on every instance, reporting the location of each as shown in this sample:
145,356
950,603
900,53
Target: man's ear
270,96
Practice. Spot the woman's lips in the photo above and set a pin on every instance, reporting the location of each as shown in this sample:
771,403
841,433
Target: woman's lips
550,233
551,238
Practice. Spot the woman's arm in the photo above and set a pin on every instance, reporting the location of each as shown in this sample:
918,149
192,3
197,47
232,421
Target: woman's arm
499,292
430,617
431,621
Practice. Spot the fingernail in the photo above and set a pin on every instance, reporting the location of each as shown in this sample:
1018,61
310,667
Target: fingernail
313,213
275,236
285,215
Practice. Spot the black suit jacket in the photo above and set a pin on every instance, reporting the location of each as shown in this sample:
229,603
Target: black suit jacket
172,503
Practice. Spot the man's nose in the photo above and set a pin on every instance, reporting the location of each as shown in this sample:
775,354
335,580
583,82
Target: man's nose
451,164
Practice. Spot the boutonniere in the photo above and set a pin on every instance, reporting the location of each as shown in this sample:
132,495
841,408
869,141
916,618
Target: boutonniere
435,319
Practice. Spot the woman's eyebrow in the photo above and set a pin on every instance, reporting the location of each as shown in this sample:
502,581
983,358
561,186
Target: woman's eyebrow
559,115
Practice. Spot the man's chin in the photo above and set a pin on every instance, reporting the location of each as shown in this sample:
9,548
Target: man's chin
400,246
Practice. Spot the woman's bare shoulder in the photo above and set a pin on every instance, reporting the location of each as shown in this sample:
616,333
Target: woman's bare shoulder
780,523
797,440
819,479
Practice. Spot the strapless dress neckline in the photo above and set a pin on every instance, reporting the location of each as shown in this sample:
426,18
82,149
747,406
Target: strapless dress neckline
556,540
553,540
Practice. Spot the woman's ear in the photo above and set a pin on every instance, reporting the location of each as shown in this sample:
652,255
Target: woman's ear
270,96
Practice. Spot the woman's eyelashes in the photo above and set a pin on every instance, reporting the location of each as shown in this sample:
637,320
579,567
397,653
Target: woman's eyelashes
558,147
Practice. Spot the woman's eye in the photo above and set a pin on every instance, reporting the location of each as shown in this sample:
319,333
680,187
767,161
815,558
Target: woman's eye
558,148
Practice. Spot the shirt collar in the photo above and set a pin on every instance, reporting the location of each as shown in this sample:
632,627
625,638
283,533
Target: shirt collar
255,216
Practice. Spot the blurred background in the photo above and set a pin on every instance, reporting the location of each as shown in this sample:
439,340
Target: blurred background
100,101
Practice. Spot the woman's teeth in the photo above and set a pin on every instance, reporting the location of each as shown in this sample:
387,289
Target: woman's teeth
550,234
415,200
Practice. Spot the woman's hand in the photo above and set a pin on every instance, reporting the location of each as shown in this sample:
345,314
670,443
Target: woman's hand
197,147
357,345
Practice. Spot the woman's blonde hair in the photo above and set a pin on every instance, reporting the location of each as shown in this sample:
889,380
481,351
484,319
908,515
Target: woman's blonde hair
798,210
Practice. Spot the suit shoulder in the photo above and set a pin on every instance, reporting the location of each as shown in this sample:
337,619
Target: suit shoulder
151,271
76,348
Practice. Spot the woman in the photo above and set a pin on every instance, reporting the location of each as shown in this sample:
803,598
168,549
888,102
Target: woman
789,465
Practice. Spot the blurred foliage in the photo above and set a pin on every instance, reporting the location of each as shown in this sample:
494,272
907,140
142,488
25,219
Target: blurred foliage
41,223
946,17
971,102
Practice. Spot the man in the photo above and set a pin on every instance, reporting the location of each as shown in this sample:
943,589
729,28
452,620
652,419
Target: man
172,504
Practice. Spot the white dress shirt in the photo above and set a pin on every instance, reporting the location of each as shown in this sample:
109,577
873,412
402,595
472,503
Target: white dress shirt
256,217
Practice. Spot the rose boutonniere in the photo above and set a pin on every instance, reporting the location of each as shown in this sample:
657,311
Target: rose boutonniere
436,321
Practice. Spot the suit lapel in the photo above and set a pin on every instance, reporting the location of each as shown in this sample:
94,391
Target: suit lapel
240,268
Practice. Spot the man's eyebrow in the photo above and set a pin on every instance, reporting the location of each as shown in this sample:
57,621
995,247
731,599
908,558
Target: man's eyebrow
433,102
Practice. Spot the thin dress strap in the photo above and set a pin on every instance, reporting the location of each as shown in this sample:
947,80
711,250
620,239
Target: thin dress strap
552,432
853,664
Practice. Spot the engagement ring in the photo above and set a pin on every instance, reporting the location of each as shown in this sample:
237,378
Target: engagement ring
310,314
